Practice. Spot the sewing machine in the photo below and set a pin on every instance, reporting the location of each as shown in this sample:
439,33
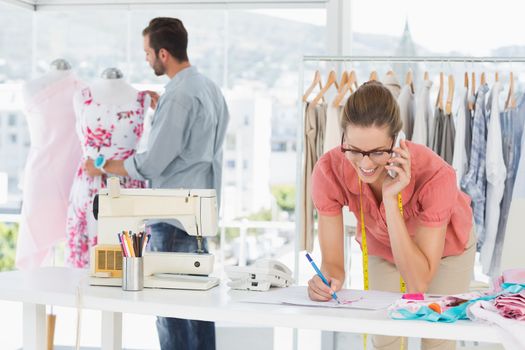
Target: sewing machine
119,209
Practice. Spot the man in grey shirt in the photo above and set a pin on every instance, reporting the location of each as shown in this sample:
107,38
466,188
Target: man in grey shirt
184,151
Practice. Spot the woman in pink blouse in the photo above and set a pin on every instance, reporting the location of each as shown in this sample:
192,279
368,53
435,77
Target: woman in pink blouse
428,241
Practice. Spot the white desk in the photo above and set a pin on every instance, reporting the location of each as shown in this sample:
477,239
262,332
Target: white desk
58,286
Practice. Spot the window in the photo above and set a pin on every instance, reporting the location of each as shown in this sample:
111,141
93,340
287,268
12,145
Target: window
13,138
230,164
11,119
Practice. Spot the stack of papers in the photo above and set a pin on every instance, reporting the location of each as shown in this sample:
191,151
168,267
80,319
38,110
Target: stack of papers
349,298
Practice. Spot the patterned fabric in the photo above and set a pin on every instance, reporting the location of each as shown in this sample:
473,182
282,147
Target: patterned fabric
112,131
474,183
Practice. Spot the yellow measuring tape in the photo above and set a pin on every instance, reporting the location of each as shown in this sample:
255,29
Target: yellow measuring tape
402,285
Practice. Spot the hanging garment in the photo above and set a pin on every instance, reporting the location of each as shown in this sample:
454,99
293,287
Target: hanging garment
437,137
111,130
315,120
474,183
447,142
496,175
49,171
469,121
423,117
407,110
512,122
391,83
459,159
519,184
332,137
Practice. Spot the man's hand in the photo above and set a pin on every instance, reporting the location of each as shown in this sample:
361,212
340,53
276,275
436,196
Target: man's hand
154,98
89,168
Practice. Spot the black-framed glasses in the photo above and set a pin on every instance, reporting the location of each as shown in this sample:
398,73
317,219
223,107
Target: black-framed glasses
378,156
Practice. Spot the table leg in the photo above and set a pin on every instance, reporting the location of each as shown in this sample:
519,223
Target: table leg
111,330
34,327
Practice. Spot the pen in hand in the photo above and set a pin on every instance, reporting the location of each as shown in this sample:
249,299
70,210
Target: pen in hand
320,274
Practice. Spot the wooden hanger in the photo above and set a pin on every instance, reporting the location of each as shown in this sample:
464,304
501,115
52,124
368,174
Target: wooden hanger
439,101
352,80
343,81
315,81
332,79
472,92
466,80
450,96
483,80
511,101
496,76
409,80
373,76
391,73
347,87
425,76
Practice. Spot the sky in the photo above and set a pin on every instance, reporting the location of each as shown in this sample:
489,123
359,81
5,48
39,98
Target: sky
466,26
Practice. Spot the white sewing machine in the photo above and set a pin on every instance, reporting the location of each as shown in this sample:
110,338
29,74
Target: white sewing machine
119,209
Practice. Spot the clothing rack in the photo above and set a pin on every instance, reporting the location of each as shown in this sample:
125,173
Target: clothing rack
370,59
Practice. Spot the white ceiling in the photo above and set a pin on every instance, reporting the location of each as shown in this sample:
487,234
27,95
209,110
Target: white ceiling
37,5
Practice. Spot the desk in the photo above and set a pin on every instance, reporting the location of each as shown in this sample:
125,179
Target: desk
58,286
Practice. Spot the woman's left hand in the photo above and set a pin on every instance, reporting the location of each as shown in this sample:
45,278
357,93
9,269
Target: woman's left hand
401,165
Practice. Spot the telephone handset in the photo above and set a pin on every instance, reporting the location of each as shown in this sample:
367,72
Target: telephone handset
262,275
400,136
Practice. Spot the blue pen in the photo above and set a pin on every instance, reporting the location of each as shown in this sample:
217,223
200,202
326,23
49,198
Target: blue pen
320,274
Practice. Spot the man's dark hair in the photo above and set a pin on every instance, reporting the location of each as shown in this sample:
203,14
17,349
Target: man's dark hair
169,34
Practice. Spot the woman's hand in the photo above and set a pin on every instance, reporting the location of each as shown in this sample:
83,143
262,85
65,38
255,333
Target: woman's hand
318,291
400,164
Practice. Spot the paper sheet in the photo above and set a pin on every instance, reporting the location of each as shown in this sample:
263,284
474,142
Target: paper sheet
349,298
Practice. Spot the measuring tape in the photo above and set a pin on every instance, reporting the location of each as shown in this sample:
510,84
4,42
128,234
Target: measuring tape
364,247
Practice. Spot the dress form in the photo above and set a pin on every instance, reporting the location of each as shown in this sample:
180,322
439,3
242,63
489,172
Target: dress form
58,69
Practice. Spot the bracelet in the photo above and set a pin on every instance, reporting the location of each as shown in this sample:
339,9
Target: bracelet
99,163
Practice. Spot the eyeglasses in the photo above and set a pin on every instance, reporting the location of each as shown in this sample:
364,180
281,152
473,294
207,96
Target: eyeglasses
378,156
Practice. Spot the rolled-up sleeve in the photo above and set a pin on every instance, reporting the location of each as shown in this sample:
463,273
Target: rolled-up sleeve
169,132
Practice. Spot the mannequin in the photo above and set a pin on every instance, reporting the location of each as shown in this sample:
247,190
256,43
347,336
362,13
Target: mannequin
109,122
112,89
51,163
58,69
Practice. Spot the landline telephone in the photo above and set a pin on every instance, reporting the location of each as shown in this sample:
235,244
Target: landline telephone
262,275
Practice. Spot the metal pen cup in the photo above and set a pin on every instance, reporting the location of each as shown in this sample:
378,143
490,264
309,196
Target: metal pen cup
132,273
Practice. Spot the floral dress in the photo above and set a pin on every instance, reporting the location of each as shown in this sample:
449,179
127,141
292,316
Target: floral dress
114,132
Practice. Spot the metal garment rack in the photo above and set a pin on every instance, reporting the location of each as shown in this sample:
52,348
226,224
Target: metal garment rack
369,59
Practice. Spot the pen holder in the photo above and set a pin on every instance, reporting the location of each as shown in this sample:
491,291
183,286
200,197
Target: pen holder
132,273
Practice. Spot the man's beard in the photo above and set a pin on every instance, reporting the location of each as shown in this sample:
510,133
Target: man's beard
158,67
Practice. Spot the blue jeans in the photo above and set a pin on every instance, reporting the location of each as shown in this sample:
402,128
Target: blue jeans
177,333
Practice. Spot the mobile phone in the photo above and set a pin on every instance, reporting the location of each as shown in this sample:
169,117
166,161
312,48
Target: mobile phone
400,136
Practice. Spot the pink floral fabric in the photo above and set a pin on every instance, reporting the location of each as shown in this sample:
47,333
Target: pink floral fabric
114,132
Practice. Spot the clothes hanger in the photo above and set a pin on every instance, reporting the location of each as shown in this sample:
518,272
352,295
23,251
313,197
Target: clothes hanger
450,96
466,81
332,79
344,89
315,81
496,76
483,80
352,80
511,101
409,80
439,101
425,76
473,92
343,81
373,76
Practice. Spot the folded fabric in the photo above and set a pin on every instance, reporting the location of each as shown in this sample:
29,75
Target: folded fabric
486,312
507,278
451,308
511,305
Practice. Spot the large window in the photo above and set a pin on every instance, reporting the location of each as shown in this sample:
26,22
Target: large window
253,55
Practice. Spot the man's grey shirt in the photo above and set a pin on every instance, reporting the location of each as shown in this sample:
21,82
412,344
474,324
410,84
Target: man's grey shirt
187,134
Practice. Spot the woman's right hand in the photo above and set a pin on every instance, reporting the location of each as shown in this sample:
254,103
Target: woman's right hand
318,291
